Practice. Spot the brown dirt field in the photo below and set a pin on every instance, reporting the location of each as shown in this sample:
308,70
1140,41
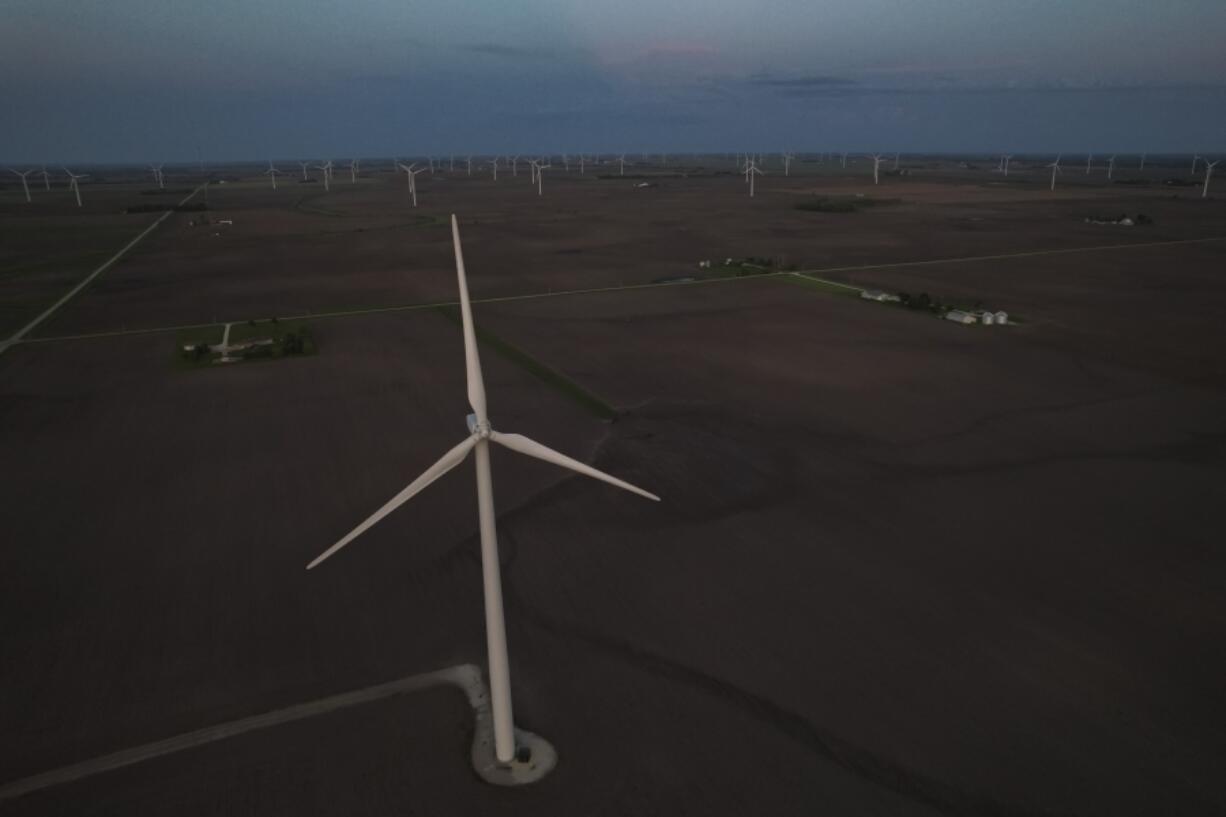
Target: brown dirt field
901,566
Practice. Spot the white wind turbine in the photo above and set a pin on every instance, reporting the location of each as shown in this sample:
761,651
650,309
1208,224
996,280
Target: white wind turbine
271,173
1195,159
412,176
514,160
46,179
844,160
1089,159
304,165
73,183
1005,159
470,165
480,435
877,160
751,170
1055,168
1110,166
157,176
540,177
494,165
354,166
326,167
24,184
1204,193
621,162
896,155
787,163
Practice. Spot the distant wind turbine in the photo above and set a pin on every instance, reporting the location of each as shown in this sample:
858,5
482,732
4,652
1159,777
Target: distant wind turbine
751,170
1089,159
24,185
470,165
494,164
46,179
1142,162
896,155
327,169
621,163
844,160
1110,166
354,166
157,176
74,183
1055,168
1005,159
540,177
1195,159
787,163
480,435
412,174
514,160
305,165
271,173
877,160
1204,193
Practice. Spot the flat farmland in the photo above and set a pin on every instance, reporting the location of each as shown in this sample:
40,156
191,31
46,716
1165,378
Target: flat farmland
299,250
901,566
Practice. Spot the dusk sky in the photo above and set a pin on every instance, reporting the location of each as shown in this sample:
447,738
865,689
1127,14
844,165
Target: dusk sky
144,80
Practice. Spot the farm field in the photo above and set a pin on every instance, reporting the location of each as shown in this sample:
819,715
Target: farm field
901,566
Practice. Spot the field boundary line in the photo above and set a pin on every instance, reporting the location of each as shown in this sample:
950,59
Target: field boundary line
465,676
21,333
804,273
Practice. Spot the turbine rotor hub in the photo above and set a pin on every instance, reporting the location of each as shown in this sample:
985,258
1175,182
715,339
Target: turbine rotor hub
480,430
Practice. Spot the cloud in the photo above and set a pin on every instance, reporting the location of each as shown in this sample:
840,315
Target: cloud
819,83
510,52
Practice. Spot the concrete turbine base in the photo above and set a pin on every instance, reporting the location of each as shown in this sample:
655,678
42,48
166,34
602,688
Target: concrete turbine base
535,756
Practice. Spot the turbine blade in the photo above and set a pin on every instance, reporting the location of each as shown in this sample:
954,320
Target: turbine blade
520,443
476,384
449,460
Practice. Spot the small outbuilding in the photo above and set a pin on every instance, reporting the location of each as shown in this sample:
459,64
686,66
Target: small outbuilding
987,318
959,316
1002,317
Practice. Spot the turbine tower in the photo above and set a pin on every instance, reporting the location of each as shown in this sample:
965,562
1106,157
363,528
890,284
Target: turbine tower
305,165
1005,160
621,162
877,160
73,183
540,176
1089,159
46,179
480,435
787,163
494,165
412,179
1142,162
1195,159
751,170
1204,193
327,169
353,170
271,173
157,176
1110,166
1055,168
24,185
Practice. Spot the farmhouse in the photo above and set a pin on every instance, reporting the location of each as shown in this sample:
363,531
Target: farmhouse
878,295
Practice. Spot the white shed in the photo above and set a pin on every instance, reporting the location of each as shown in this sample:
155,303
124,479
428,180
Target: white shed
1002,317
958,316
987,318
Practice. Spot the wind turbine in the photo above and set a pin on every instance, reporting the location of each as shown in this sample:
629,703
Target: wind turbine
470,165
582,161
327,169
1110,166
1055,168
271,173
621,161
1204,193
305,165
515,165
46,179
1142,162
412,174
787,163
494,164
480,435
157,176
73,182
877,160
540,177
1089,159
1006,159
896,160
354,165
1195,159
24,185
751,170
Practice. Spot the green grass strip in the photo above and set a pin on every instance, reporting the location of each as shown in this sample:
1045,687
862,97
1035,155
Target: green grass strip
550,377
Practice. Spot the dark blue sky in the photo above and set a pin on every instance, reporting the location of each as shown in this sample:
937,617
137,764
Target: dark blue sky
143,80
